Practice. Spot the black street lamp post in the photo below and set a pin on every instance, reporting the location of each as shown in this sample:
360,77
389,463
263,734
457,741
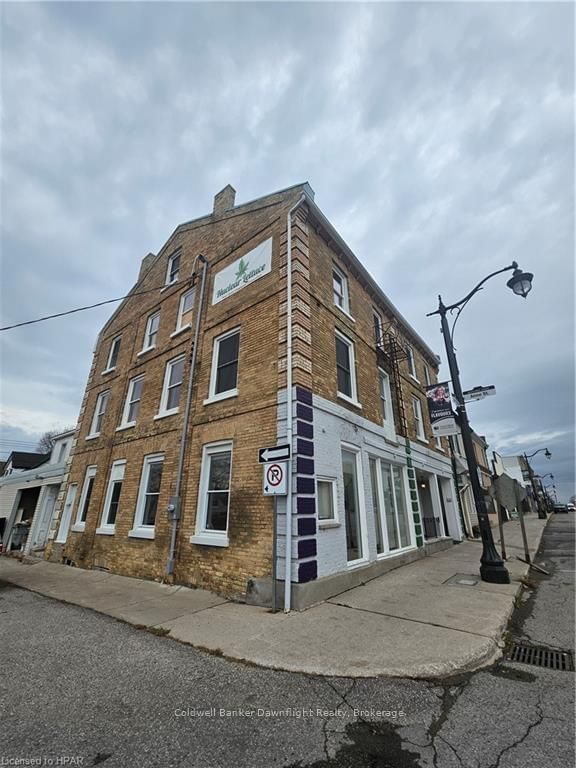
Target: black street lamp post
492,566
539,501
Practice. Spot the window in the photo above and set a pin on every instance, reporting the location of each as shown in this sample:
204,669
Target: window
151,331
99,411
214,495
113,354
147,505
410,361
61,452
394,498
419,423
326,498
112,500
172,386
438,442
345,369
340,288
224,377
354,544
427,377
173,271
377,506
185,310
132,404
85,498
385,398
378,330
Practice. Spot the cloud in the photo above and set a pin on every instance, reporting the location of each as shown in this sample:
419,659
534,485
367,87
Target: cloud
438,138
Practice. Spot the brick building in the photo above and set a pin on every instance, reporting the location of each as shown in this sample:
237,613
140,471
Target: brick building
190,378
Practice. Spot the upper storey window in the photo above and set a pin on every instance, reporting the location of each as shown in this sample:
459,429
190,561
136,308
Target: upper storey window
173,271
410,361
113,354
340,290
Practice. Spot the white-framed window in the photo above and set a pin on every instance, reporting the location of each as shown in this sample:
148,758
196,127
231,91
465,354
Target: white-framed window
378,329
132,404
113,354
62,452
148,495
224,374
418,420
85,496
151,333
354,514
185,308
340,290
438,442
385,399
173,270
427,377
170,397
390,506
410,361
346,369
112,500
99,411
214,495
326,501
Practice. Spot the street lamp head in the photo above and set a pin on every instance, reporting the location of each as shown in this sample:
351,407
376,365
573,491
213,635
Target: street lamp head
521,282
547,454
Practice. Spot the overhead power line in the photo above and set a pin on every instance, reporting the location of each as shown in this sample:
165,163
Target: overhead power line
91,306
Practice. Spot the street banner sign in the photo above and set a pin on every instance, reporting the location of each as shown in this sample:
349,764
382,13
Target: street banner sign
442,417
275,479
479,393
274,453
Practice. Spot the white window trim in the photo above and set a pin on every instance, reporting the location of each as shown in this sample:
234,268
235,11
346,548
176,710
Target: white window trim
109,369
438,441
179,326
376,315
79,525
176,254
351,564
409,517
333,522
410,358
212,397
162,411
421,436
139,530
93,435
127,424
427,376
148,347
387,423
104,528
345,291
353,400
201,535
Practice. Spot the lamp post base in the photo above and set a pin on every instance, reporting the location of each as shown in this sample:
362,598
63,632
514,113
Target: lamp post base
542,515
494,572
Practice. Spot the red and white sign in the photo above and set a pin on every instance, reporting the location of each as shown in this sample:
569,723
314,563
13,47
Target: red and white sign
275,480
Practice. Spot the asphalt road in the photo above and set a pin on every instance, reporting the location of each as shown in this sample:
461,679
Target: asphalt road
79,688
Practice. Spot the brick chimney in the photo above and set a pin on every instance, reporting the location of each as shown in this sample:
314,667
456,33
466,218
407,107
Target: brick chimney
224,200
146,264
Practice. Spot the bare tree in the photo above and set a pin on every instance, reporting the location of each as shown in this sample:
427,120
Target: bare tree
46,442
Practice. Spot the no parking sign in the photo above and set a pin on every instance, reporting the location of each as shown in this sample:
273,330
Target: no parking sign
275,480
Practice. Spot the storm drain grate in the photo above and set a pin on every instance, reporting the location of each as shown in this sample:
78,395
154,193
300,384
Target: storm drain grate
541,657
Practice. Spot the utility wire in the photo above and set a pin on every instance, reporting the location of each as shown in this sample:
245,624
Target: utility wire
92,306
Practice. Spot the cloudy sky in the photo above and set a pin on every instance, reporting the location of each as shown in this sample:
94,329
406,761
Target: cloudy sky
438,139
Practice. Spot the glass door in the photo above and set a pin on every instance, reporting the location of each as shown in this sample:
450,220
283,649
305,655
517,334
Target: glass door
354,548
390,506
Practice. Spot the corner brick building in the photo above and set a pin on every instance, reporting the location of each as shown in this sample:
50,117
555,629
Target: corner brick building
190,377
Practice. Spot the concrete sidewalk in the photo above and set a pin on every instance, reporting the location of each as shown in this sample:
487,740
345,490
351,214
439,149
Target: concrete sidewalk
415,621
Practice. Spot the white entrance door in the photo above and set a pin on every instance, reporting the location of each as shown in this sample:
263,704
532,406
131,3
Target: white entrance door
66,514
41,533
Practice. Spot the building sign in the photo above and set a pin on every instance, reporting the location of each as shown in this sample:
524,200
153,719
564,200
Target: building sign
231,279
442,417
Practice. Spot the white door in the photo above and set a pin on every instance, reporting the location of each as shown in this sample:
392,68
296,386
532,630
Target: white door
66,515
41,533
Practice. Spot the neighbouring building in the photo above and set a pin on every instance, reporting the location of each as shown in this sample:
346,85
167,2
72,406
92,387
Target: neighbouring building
256,326
29,488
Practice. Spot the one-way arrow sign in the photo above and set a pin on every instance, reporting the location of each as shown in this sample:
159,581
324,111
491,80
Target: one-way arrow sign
274,453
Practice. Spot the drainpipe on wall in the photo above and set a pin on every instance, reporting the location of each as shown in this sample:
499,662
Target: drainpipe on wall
175,501
289,420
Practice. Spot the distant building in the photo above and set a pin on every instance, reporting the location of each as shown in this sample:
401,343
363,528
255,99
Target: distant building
29,488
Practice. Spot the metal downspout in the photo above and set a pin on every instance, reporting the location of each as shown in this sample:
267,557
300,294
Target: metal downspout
174,505
289,417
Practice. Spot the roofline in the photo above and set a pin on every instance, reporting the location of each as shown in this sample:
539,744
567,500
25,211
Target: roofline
368,277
